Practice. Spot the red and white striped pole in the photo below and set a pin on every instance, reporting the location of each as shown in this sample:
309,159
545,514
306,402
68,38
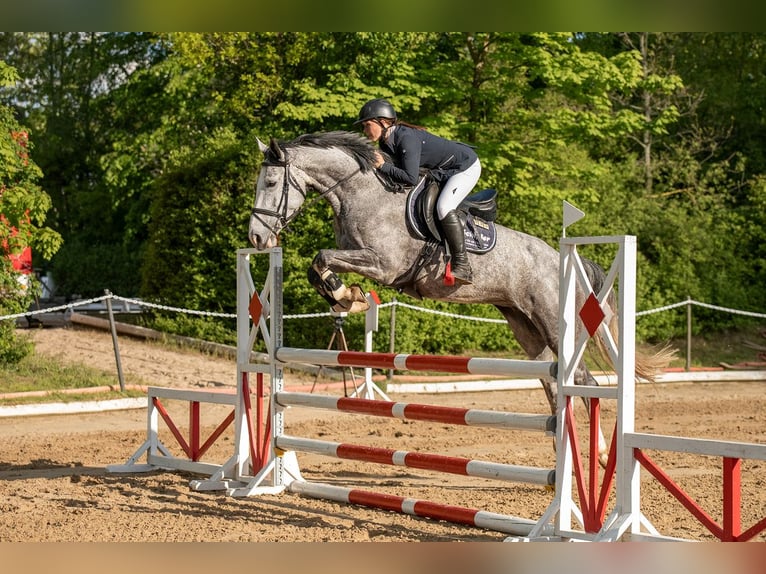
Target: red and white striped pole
406,362
417,412
423,508
420,460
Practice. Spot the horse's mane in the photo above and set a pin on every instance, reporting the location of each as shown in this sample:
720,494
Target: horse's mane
354,144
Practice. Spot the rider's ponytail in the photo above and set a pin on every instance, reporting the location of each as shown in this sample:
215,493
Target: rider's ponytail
408,125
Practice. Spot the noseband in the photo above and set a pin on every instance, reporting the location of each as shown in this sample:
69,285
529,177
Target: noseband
281,216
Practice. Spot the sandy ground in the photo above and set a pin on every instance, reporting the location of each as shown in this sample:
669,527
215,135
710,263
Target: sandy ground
54,486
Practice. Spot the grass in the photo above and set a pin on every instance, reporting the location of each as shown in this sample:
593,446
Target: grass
710,350
38,373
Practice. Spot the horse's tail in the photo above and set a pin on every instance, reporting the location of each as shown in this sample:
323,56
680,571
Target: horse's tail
648,364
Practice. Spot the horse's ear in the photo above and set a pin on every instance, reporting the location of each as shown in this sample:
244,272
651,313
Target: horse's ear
276,150
262,146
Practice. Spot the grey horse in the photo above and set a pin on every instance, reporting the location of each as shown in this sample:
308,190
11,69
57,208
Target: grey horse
520,276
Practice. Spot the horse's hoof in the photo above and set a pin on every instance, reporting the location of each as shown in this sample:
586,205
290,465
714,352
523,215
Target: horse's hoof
355,307
355,293
354,301
359,306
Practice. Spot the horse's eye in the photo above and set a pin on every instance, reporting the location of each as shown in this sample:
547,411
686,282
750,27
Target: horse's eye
271,182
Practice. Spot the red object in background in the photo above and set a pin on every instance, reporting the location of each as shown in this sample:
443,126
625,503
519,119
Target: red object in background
22,262
22,138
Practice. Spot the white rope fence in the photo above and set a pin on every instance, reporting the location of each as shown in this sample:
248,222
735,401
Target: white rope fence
700,304
140,303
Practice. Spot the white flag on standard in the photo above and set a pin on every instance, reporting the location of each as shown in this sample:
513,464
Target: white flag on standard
571,215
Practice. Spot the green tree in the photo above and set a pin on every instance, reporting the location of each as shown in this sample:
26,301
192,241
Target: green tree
23,209
683,194
68,100
148,145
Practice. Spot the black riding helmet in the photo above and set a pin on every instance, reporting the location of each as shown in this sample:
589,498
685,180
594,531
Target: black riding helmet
377,108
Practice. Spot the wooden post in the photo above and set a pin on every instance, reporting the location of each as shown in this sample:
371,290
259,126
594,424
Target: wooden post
113,328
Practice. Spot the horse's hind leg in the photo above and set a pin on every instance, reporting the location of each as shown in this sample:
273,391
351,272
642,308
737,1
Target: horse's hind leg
584,377
539,348
535,347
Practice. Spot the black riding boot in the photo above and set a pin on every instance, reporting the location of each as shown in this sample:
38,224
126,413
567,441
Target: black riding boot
453,233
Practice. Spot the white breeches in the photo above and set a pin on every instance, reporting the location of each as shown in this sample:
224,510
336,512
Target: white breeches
457,188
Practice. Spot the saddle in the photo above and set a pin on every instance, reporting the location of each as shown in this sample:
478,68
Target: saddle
477,212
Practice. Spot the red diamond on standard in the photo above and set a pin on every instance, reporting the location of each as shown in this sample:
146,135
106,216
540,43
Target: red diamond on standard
592,314
255,308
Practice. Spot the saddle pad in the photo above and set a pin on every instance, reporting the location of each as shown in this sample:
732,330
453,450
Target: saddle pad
480,235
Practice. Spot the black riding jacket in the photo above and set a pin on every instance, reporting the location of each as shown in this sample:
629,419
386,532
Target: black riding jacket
412,149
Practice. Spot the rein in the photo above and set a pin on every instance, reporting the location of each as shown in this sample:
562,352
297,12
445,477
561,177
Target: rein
283,220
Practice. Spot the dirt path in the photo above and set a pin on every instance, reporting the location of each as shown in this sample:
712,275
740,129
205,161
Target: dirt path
54,487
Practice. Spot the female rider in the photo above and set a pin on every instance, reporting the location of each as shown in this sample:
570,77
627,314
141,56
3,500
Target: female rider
455,166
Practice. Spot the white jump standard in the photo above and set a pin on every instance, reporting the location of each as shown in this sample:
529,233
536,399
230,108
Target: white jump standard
281,472
265,462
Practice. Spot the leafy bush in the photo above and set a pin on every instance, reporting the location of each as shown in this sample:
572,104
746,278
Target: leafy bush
23,207
13,348
88,269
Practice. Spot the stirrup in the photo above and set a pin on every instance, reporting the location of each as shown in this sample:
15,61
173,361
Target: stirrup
463,275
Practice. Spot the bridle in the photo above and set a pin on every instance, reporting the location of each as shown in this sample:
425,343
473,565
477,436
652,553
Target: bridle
280,214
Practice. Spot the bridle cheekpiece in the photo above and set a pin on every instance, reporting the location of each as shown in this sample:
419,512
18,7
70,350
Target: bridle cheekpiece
283,219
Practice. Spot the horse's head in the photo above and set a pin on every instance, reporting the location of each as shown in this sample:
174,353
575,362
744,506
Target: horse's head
279,194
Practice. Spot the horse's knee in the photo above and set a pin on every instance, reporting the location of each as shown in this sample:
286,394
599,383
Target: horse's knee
320,262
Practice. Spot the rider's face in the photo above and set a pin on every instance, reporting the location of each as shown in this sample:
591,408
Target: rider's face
372,129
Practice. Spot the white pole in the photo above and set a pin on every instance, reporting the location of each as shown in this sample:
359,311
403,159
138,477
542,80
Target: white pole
370,326
241,434
565,379
628,480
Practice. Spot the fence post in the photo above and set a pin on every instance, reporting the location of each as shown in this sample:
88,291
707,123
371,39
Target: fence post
113,327
688,333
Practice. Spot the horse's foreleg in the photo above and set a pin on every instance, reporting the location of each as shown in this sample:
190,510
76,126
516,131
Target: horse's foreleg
342,299
363,262
321,287
323,277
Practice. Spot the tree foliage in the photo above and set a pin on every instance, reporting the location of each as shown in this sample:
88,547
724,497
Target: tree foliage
23,209
148,145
